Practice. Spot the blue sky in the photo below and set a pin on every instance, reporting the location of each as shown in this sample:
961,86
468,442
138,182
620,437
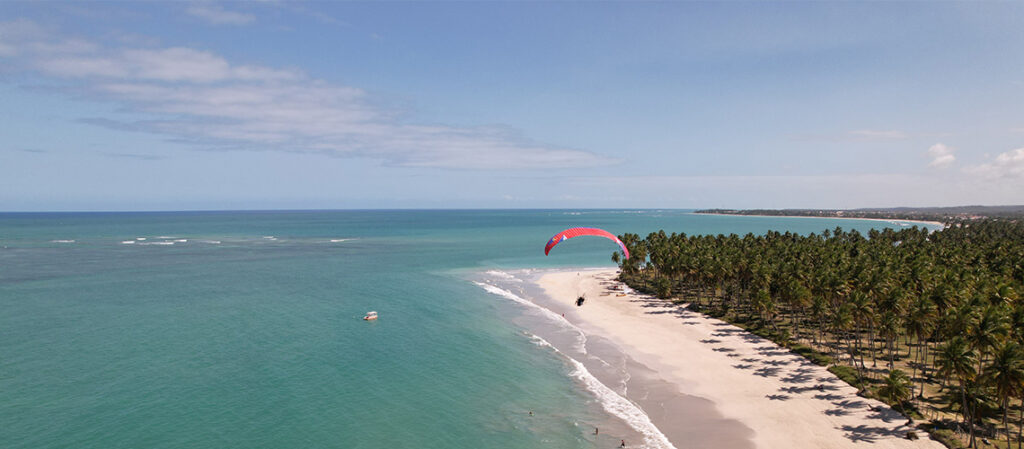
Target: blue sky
296,105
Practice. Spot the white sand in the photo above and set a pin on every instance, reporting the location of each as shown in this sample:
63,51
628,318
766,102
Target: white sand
787,401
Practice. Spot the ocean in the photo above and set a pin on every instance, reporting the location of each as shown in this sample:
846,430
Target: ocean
244,329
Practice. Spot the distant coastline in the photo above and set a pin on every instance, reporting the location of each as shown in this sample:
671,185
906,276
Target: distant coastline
939,224
932,215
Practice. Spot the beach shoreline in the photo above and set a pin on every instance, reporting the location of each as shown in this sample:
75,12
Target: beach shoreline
783,399
941,225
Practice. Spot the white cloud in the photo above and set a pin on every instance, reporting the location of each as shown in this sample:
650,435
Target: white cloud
175,64
870,134
16,32
201,98
942,155
219,16
1008,165
860,135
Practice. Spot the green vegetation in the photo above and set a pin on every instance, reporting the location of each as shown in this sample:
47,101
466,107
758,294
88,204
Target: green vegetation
943,214
932,323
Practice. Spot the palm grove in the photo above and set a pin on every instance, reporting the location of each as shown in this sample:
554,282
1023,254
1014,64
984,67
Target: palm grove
930,322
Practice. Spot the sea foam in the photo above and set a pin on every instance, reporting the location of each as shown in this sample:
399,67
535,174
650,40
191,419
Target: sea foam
503,275
581,339
613,402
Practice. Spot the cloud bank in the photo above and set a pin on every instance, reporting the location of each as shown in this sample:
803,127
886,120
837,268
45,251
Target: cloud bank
201,98
219,16
942,156
1008,165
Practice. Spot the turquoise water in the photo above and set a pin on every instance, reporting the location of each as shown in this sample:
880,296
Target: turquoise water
243,329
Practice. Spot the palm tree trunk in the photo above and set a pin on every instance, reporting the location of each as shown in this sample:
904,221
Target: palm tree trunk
966,412
1020,426
970,422
892,350
1006,425
914,370
924,367
871,331
859,351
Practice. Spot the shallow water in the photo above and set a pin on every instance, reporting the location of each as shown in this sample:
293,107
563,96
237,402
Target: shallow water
243,329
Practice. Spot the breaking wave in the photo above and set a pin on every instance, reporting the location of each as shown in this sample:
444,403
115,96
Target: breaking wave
613,402
581,337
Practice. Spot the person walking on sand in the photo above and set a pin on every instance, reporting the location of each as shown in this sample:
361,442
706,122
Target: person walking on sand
623,443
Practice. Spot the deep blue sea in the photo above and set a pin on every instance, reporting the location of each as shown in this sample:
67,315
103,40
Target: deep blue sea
244,329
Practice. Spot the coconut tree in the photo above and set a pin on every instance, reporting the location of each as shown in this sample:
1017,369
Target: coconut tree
988,331
1006,375
956,360
863,313
896,390
890,330
920,323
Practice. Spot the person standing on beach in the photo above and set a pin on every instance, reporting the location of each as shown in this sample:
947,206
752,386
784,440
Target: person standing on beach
623,443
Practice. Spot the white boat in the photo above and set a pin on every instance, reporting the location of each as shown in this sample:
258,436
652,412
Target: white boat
370,316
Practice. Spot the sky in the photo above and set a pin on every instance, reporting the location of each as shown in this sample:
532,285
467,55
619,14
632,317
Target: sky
128,106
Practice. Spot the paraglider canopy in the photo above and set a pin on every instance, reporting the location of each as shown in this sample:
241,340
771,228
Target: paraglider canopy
576,232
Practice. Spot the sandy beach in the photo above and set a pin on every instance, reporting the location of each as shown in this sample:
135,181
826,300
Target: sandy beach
787,401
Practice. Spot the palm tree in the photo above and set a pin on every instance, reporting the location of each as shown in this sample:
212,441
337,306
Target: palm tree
1006,375
890,329
987,331
896,390
956,292
956,360
920,324
863,312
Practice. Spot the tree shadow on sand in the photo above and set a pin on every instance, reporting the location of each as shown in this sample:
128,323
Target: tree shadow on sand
886,414
870,434
777,397
850,403
777,362
819,387
837,412
767,371
797,378
751,338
